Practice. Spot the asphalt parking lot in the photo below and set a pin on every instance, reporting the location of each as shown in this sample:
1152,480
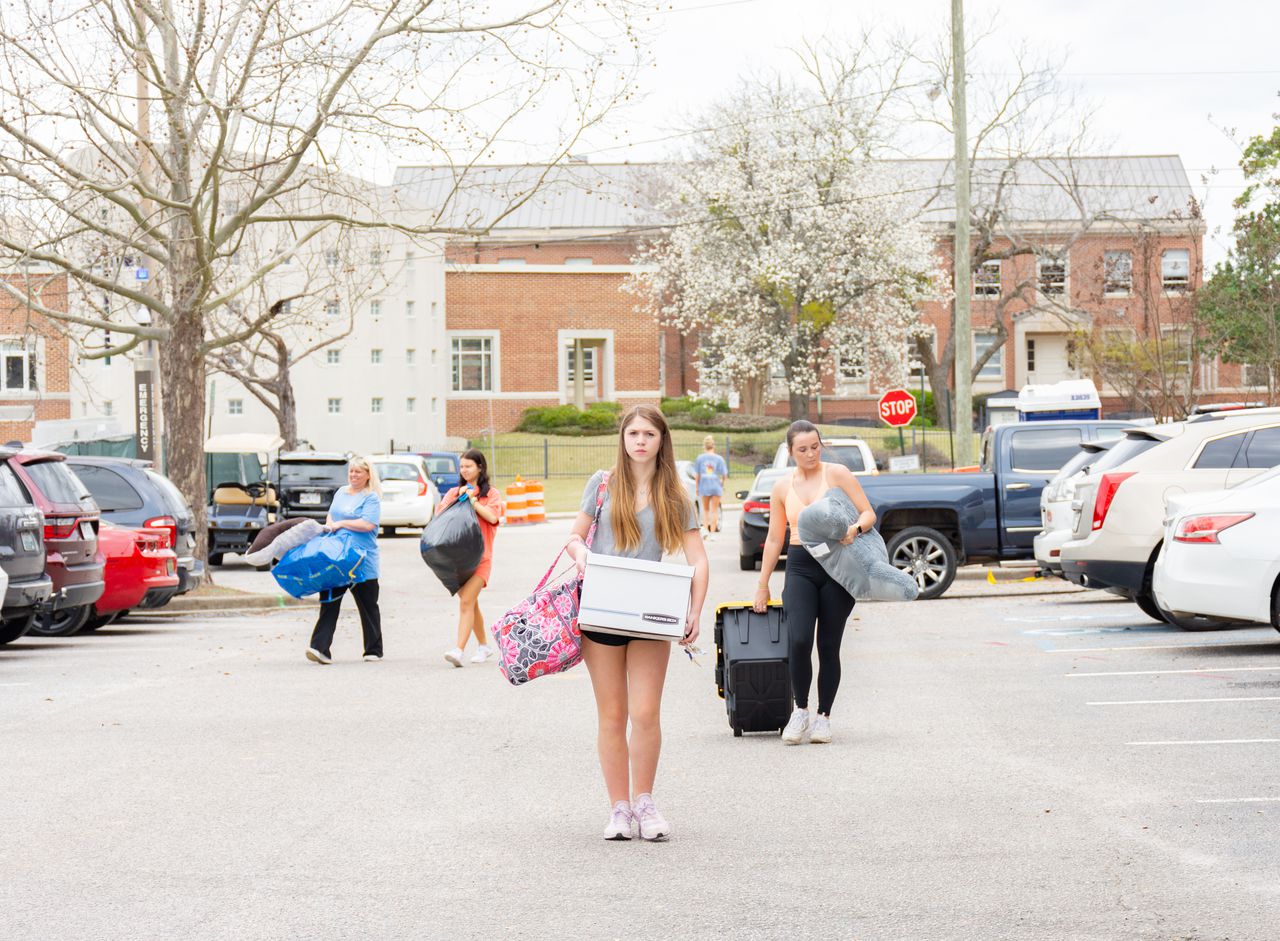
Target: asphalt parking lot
1021,760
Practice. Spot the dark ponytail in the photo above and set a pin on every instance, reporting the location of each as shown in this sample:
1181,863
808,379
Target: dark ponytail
801,427
482,482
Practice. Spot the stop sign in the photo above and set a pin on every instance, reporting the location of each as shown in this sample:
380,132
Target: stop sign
897,408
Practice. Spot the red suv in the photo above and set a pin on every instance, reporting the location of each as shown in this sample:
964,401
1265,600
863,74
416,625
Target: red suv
72,558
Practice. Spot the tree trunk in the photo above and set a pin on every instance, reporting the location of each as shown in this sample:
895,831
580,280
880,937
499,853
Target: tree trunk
799,405
182,372
288,404
752,393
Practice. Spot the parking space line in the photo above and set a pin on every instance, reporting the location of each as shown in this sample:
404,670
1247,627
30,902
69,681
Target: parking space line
1161,702
1216,741
1238,800
1165,672
1157,647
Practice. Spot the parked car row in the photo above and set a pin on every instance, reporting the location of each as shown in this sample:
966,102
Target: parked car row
84,539
1173,516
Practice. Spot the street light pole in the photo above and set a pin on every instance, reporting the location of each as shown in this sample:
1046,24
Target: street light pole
962,421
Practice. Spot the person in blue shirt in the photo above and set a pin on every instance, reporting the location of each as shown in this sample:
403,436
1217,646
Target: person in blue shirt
357,508
712,473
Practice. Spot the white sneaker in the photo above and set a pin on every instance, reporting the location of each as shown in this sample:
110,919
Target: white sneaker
798,724
621,822
316,656
454,656
820,734
372,657
483,652
653,826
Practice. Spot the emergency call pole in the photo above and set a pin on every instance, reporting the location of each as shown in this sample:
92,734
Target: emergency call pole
962,409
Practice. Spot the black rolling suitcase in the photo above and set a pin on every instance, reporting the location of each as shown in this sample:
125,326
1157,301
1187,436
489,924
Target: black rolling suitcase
751,667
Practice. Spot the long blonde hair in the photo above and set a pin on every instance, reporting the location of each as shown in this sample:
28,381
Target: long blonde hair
667,496
362,463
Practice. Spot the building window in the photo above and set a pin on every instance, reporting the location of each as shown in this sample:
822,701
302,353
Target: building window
333,357
286,307
433,357
579,262
408,308
853,365
410,355
994,367
108,408
375,308
588,363
435,406
1256,374
375,257
335,406
375,357
1177,346
411,404
333,309
408,261
375,405
1031,354
17,366
472,364
331,258
511,261
986,279
1175,269
235,406
1117,273
433,313
1051,275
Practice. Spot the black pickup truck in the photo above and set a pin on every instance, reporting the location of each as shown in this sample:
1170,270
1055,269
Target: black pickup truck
934,523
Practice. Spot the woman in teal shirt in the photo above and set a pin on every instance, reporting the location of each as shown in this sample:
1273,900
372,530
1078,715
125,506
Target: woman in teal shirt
357,508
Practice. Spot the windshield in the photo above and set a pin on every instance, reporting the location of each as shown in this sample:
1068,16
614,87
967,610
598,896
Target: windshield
57,482
1123,450
310,472
1077,463
765,481
172,495
850,455
442,465
396,471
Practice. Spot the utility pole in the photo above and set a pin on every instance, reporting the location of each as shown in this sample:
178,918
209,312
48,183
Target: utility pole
145,369
963,405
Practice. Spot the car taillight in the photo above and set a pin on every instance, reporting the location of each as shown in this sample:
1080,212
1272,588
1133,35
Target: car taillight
59,527
1206,528
170,527
422,487
1107,488
755,506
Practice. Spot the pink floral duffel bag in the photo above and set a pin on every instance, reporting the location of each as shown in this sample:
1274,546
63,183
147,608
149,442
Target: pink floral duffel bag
540,635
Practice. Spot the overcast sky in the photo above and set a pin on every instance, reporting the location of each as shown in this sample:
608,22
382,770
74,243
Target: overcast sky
1165,74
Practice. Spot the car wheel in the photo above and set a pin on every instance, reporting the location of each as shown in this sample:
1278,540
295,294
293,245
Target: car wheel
99,620
63,622
1197,622
1147,602
747,563
215,558
13,628
927,556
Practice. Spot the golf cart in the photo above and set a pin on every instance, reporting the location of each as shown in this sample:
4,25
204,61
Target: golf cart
242,498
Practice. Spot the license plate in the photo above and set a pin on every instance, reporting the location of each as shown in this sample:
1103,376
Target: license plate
28,542
86,530
309,499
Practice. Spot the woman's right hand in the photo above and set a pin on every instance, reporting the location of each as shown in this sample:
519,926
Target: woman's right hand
761,603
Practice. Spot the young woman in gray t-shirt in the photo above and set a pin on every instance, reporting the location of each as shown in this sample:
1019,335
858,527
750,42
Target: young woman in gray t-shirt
646,512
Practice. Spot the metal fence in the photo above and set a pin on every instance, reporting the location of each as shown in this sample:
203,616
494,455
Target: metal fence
557,457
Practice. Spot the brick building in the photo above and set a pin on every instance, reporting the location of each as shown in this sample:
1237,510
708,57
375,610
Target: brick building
1118,252
34,357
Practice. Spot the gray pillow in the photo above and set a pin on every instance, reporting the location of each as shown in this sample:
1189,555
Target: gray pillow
862,567
278,538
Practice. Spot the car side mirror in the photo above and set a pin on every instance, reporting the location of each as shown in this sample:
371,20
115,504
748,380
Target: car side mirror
741,494
879,465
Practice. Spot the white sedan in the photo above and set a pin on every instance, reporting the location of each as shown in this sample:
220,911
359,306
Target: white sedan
409,497
1220,562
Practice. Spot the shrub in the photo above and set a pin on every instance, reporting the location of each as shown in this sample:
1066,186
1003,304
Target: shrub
568,420
686,404
613,408
926,409
598,419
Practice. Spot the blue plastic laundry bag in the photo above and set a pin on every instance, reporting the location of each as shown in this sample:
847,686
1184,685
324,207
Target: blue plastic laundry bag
325,562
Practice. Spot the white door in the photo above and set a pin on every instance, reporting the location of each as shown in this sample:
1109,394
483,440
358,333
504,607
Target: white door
1049,358
590,371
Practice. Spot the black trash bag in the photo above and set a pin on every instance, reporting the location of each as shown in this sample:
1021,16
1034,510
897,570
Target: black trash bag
452,545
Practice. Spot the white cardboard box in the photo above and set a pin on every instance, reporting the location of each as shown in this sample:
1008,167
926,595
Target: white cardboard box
635,597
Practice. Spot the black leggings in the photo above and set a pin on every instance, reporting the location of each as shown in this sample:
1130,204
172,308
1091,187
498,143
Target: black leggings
811,597
366,595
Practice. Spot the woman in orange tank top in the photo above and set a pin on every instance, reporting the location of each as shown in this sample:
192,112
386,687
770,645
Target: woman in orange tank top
816,605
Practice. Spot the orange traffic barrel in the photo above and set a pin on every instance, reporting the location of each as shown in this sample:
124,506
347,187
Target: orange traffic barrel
535,502
517,506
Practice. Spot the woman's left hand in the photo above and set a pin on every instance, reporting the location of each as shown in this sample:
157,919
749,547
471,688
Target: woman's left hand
850,536
690,631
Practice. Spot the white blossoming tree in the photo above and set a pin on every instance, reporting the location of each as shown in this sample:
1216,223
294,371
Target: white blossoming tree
788,246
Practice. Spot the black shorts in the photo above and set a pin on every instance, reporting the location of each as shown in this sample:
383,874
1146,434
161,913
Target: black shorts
608,640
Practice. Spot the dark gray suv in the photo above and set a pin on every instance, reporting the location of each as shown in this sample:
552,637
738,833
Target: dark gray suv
308,480
22,555
133,494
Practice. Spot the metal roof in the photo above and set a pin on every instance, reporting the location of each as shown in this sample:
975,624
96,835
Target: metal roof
621,196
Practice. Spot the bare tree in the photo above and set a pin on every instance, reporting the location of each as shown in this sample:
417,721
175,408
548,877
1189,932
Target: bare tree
168,136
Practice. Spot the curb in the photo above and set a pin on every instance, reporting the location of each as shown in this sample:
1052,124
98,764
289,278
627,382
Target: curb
244,602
